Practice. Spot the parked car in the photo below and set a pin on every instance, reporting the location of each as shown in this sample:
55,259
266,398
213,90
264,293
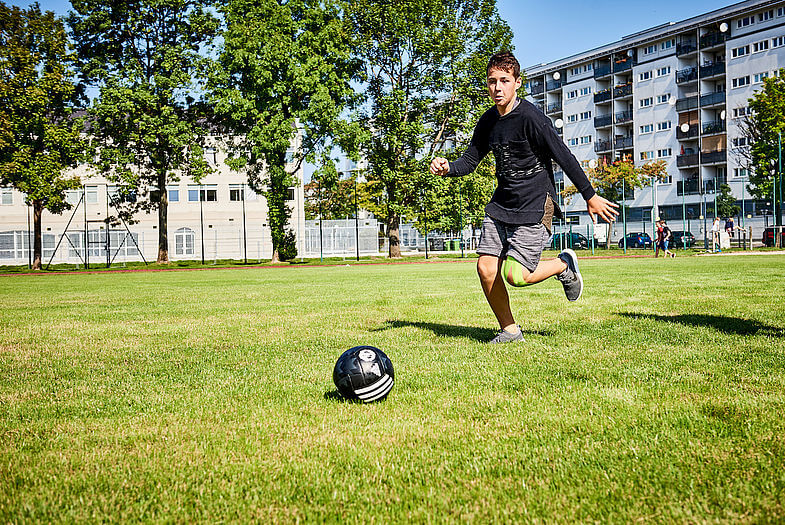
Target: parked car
680,239
636,240
571,240
768,236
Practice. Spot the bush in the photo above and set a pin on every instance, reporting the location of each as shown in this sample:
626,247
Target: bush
287,250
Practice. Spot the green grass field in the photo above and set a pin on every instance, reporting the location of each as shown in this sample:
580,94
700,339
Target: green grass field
207,396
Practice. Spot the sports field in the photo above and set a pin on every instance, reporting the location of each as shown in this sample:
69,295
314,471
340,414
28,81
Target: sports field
207,396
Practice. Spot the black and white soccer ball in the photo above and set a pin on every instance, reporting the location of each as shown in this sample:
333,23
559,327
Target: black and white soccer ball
365,373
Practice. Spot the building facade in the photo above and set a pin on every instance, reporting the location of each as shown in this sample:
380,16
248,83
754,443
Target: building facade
675,93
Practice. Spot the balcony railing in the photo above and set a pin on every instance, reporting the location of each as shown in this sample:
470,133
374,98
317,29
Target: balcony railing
602,145
623,90
684,104
554,107
553,84
623,143
602,71
623,65
687,75
537,89
688,187
602,96
712,39
623,116
690,133
712,99
716,126
713,157
685,47
602,121
711,70
691,159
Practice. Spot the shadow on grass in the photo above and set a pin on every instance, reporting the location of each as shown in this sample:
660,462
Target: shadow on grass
721,323
448,330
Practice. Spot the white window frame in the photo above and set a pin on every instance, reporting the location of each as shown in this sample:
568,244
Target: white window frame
665,125
6,196
644,76
646,129
740,82
646,102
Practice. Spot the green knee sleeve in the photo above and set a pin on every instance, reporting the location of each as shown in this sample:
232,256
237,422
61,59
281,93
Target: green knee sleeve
512,271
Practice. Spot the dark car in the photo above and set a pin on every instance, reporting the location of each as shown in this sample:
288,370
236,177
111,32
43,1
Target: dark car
636,240
768,237
680,239
571,240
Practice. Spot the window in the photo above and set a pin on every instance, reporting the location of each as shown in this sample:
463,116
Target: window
210,155
778,41
737,52
173,193
585,164
572,94
647,128
573,142
235,193
781,11
587,68
739,142
758,78
586,139
6,196
575,71
739,172
662,71
184,241
746,21
91,194
586,115
646,102
203,193
647,155
664,98
668,44
757,47
648,50
645,75
289,194
741,81
766,15
667,152
740,112
572,118
585,91
664,125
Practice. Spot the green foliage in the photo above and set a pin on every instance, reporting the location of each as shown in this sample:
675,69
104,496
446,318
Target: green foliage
611,181
39,138
330,200
425,66
146,126
762,130
284,67
726,202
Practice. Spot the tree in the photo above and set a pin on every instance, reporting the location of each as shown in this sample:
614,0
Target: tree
726,202
425,67
285,69
330,199
148,128
617,181
39,139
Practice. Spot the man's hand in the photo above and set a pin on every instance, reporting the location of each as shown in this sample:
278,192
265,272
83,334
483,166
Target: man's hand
440,166
600,206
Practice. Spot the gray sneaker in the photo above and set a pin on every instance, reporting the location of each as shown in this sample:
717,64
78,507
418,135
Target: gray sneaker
571,277
506,337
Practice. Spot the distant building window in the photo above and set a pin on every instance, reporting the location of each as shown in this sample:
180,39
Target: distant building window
661,72
585,115
572,118
758,78
648,50
740,112
585,91
646,102
668,44
778,41
746,21
739,172
766,15
211,155
184,241
573,142
737,52
664,125
647,155
647,128
6,196
763,45
289,194
235,193
739,142
575,71
645,75
664,98
173,193
667,152
203,193
572,94
741,81
781,11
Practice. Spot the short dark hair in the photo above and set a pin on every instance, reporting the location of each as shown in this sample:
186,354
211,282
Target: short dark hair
504,61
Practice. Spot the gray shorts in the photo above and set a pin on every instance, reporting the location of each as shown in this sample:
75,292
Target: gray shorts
522,242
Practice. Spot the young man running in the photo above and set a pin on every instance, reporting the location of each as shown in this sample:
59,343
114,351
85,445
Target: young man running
517,223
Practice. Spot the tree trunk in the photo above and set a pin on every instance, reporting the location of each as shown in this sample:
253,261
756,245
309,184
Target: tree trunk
38,209
393,236
163,225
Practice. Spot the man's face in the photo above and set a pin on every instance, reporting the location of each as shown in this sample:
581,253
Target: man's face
502,86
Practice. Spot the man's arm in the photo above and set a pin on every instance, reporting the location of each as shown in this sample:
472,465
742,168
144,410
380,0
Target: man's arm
468,162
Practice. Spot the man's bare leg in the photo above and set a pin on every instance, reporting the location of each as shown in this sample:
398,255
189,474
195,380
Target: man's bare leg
517,275
489,270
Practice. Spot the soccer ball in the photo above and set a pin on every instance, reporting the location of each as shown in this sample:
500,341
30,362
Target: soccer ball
365,373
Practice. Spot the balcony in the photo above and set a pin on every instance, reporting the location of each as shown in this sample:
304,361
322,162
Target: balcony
691,159
623,91
537,89
689,134
540,106
712,70
624,64
623,143
688,187
601,146
683,76
553,85
603,96
713,99
602,121
714,157
554,107
685,47
602,71
713,127
684,104
713,39
624,116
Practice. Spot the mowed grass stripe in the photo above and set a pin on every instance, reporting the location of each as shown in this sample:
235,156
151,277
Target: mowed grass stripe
207,396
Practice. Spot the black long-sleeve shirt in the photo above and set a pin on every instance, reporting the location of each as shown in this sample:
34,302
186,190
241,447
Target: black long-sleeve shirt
524,144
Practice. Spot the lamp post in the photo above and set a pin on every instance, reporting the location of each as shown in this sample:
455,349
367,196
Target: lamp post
623,217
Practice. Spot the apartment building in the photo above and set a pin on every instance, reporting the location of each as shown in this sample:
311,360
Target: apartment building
675,93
